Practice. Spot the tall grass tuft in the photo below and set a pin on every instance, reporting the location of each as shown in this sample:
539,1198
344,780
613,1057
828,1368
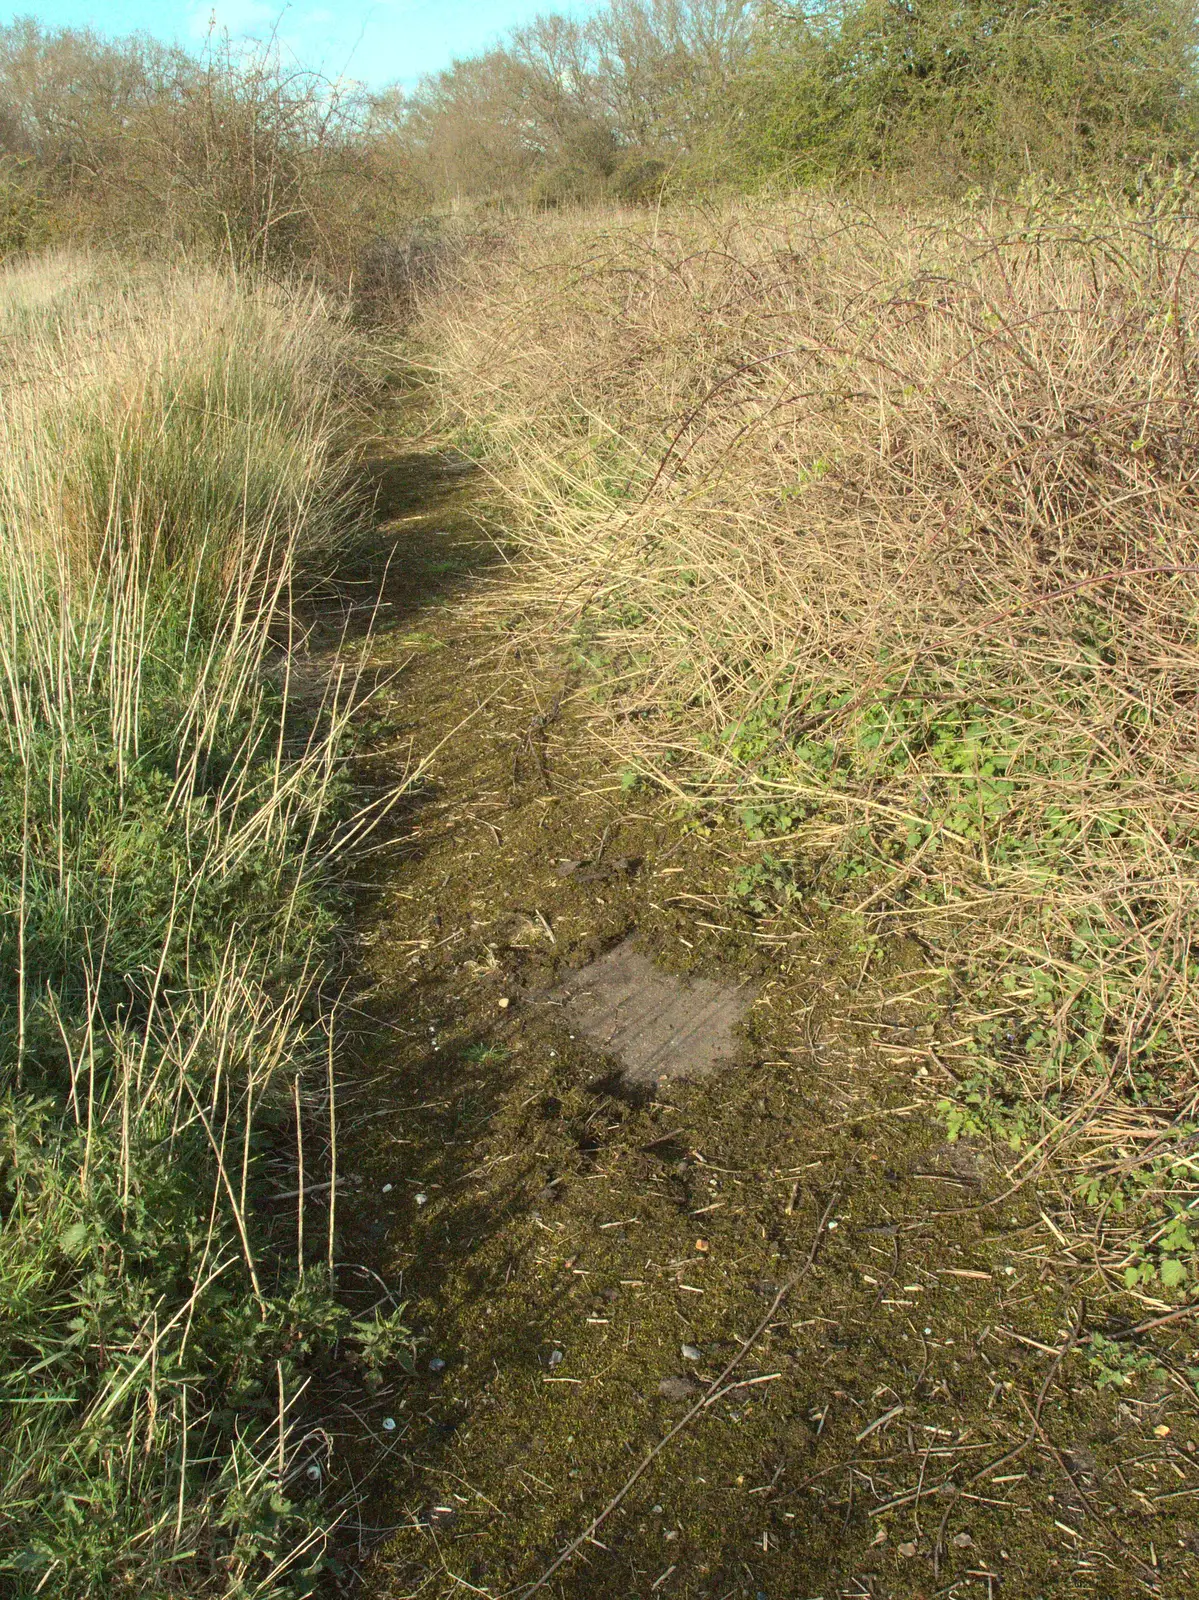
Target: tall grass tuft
884,530
169,465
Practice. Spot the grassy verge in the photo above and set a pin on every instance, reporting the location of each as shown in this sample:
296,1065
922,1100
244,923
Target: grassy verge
168,467
881,531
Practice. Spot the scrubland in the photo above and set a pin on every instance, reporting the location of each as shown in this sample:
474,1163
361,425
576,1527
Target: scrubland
171,475
875,530
870,524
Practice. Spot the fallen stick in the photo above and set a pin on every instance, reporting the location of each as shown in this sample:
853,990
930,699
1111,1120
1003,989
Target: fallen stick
1158,1322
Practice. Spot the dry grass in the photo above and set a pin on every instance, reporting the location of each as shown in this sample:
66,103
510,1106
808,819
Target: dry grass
184,414
170,469
883,530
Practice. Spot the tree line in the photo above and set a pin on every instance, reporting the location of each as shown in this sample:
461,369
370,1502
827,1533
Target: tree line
230,150
653,95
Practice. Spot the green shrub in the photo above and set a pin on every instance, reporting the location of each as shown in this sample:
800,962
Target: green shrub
990,90
25,220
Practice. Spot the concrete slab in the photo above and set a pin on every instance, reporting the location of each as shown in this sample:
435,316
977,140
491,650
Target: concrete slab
657,1025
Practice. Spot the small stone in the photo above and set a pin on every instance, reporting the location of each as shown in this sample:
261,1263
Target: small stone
504,1002
833,1225
963,1541
314,1472
677,1388
692,1352
908,1550
389,1424
656,1511
556,1358
703,1246
387,1187
1161,1431
436,1364
422,1199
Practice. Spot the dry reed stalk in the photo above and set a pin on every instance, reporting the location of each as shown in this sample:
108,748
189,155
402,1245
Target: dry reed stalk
171,453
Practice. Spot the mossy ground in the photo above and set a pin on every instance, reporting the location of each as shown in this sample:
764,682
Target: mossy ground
520,1206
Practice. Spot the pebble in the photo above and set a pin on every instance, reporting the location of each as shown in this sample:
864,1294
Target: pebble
963,1541
437,1364
314,1472
389,1424
556,1358
907,1549
422,1199
692,1352
387,1188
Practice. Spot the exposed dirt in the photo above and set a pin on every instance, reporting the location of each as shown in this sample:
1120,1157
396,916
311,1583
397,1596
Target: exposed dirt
584,1250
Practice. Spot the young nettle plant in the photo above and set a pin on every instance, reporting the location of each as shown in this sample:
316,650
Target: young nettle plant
1116,1365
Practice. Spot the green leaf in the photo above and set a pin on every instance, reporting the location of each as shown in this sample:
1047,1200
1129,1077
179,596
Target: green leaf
73,1240
1172,1272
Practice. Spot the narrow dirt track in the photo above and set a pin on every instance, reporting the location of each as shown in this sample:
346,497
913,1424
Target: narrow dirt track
916,1415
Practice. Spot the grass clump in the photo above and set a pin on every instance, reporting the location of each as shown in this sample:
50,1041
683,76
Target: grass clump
168,468
881,526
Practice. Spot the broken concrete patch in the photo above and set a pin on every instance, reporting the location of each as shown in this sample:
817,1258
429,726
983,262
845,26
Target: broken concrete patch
657,1025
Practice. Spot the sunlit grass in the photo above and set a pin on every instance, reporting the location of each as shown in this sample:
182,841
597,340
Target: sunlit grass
169,469
879,532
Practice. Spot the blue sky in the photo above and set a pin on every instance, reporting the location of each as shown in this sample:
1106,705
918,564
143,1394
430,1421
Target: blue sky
377,41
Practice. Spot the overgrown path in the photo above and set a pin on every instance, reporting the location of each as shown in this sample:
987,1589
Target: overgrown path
582,1259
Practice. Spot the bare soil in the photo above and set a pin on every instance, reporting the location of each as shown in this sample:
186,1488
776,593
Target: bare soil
586,1238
